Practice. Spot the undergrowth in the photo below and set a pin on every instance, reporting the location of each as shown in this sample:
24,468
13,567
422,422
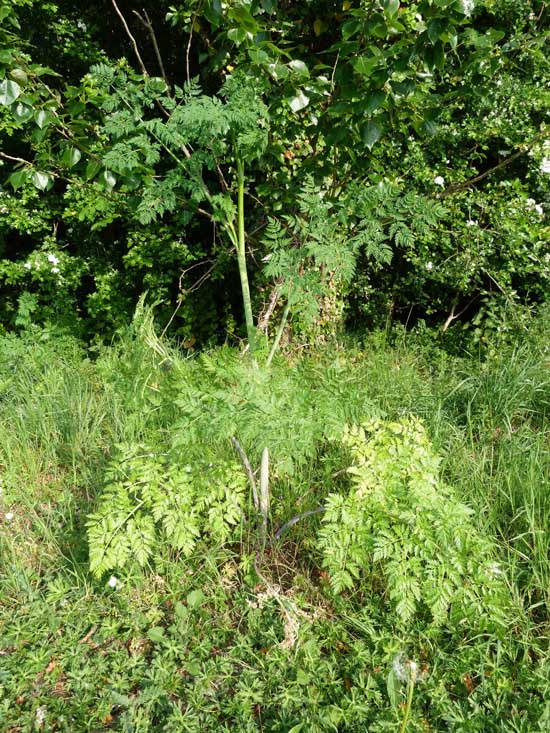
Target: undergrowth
222,594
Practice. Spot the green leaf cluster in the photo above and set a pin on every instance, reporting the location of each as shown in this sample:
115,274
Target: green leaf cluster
402,532
150,500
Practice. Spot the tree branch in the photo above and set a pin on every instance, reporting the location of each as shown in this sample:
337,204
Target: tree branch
456,187
131,37
14,159
145,21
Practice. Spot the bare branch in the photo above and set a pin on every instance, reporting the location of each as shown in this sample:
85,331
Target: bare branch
145,21
188,51
265,316
456,187
248,469
131,37
14,159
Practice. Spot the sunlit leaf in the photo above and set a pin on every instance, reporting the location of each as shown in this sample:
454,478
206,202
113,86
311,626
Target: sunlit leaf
300,101
41,180
371,133
22,112
9,91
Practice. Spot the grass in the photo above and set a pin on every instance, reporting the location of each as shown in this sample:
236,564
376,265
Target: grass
227,640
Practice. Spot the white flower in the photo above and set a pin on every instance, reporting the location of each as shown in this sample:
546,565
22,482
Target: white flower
407,669
504,152
545,165
55,269
113,582
27,265
468,6
53,259
8,516
439,181
471,223
539,209
530,203
429,265
40,717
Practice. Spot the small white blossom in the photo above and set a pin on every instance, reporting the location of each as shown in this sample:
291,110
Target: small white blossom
539,209
468,6
530,203
407,669
8,516
113,582
504,153
55,270
495,570
40,717
471,223
53,259
439,181
545,165
27,265
429,265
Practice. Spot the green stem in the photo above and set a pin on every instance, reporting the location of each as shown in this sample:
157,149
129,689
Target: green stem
279,333
241,257
410,693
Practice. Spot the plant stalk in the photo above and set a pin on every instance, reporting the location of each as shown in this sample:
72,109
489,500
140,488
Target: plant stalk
279,333
410,693
241,258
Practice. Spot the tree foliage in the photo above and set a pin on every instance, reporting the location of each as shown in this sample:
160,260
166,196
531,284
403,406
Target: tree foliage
442,100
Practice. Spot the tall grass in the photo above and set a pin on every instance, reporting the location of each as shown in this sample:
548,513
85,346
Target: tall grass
64,411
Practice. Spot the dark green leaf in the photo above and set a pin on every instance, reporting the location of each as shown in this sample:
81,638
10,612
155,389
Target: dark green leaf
371,133
374,101
41,180
19,76
71,156
22,112
350,28
9,91
42,118
436,27
391,6
364,65
92,169
19,178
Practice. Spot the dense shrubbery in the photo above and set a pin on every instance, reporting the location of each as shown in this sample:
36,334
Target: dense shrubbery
442,101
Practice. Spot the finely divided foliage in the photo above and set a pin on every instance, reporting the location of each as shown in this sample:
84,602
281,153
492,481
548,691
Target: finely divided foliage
402,529
149,499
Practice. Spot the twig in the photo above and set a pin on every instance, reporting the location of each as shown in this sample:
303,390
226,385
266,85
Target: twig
452,316
264,492
263,320
188,50
16,160
196,285
149,28
248,469
131,37
296,519
456,187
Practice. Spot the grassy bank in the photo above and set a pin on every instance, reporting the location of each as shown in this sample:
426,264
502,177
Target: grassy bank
217,616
